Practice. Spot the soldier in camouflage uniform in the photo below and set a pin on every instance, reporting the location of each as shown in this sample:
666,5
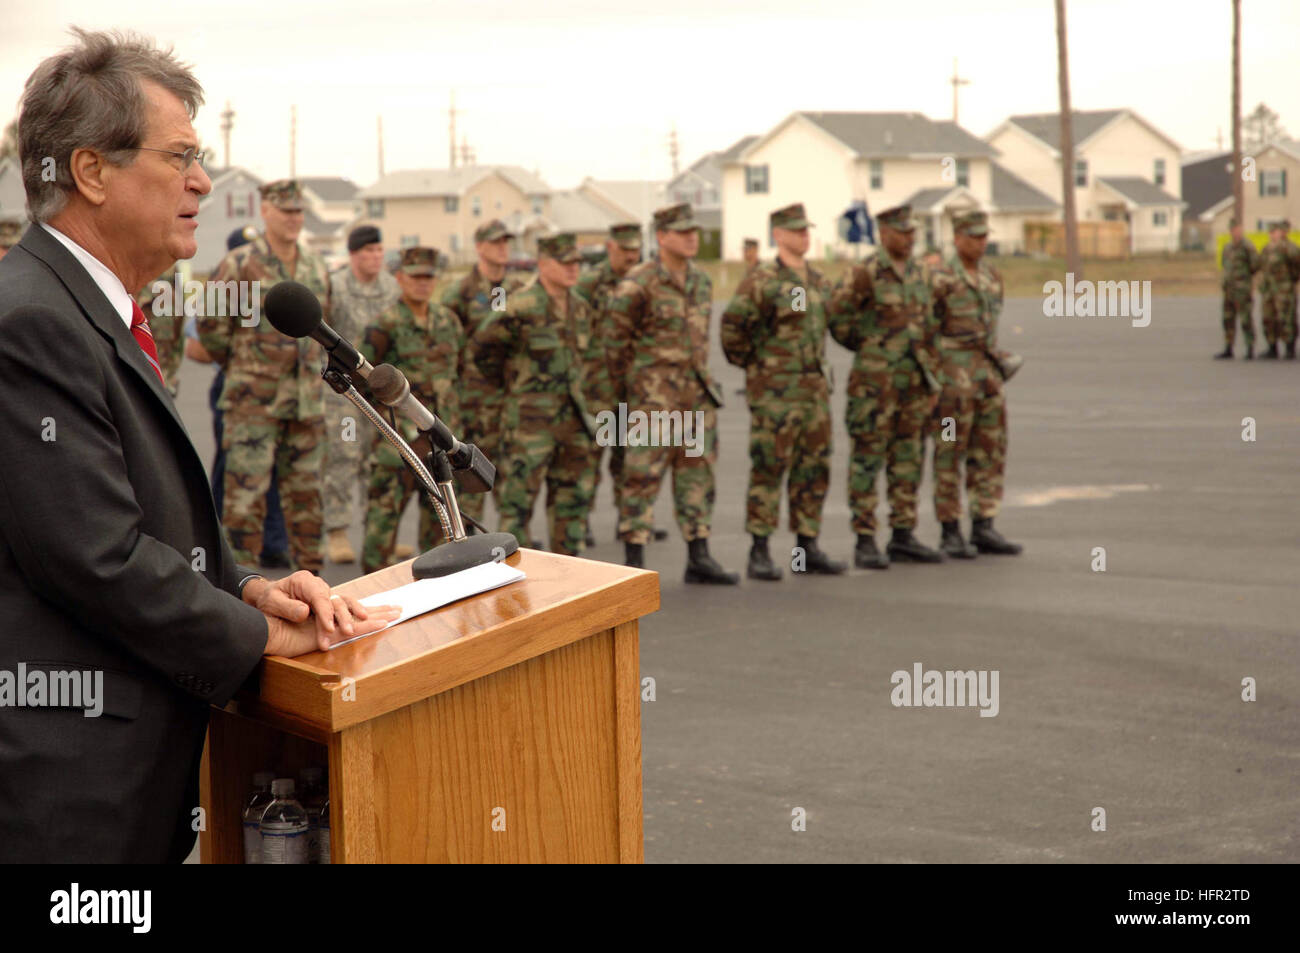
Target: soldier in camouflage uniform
1279,267
880,309
167,325
970,420
272,400
424,341
622,251
1240,262
474,298
775,328
749,254
659,318
545,355
359,292
10,233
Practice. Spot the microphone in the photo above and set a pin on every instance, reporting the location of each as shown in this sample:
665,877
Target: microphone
390,387
294,310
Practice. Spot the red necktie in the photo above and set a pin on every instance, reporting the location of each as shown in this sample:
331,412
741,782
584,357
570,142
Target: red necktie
144,337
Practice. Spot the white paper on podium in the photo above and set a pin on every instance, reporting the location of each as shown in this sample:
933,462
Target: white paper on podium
425,595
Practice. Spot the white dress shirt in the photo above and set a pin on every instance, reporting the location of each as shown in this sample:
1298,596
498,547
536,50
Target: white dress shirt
108,282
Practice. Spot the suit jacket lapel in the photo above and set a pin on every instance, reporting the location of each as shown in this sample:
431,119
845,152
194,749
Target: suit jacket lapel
97,308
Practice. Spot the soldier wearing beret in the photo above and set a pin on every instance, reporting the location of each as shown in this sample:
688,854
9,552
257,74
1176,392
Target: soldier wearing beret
1240,262
1279,267
775,328
880,310
970,420
544,355
273,399
424,341
659,316
474,298
359,293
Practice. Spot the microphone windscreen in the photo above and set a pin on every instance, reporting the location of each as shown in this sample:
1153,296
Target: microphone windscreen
293,309
388,385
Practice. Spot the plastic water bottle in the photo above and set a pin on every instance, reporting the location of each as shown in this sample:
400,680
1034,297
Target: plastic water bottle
325,831
253,816
284,827
313,800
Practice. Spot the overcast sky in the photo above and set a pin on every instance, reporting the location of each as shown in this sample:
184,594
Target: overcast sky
572,88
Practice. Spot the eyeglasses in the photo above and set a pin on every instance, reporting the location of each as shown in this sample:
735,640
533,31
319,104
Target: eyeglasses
188,157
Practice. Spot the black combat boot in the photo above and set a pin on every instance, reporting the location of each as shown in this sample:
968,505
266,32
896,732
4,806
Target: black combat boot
701,567
817,561
1269,352
952,545
1226,353
1290,351
760,562
866,556
634,555
989,540
904,547
1250,350
660,534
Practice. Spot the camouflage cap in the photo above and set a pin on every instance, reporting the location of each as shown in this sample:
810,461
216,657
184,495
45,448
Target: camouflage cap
751,242
792,216
284,194
10,232
972,223
493,231
675,218
563,247
626,235
419,260
899,217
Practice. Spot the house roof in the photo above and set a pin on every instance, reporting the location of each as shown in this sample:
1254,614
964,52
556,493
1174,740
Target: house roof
424,183
636,198
1012,193
1205,182
709,166
331,188
1138,191
1046,127
926,199
884,135
572,211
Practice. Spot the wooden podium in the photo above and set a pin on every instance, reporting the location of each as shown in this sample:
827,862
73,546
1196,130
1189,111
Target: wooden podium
502,728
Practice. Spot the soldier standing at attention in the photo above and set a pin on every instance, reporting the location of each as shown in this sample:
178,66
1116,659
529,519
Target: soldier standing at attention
474,298
273,398
1240,262
545,356
972,409
749,254
622,251
1276,288
775,328
659,316
424,341
359,292
880,310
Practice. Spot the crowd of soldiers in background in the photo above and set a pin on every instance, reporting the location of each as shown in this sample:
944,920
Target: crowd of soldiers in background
522,365
1278,271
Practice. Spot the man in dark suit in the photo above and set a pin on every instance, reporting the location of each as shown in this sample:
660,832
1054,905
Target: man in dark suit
112,558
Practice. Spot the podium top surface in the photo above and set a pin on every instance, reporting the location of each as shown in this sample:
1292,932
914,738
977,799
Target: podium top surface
563,599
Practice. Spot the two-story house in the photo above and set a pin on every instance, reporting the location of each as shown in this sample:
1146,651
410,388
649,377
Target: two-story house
1271,190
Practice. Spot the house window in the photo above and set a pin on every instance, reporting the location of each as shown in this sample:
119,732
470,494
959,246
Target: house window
877,174
1272,182
239,206
1160,172
476,206
451,204
963,173
454,243
755,179
410,241
374,208
537,206
1081,173
1159,219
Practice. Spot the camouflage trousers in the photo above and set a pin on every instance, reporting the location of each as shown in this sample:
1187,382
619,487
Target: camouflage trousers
887,414
296,448
1277,315
693,486
346,465
1237,308
480,409
970,429
615,464
789,432
387,493
561,455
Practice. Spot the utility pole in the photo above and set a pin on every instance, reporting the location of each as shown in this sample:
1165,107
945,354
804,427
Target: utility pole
293,142
956,81
451,132
227,123
379,132
672,148
1072,262
467,156
1238,188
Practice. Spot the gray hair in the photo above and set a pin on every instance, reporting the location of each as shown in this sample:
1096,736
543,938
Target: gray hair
89,96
